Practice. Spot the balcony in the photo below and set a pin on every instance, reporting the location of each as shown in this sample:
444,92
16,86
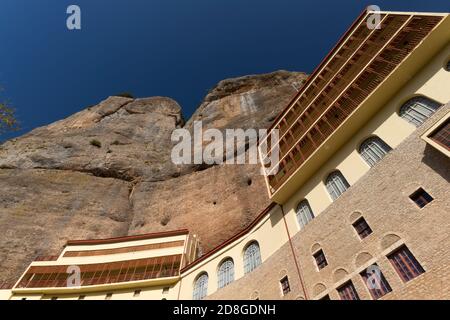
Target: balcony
342,84
55,276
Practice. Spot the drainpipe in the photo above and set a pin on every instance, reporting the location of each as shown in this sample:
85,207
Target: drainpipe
297,264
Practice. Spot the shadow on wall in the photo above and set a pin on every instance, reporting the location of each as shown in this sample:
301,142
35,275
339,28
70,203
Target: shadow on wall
437,161
275,219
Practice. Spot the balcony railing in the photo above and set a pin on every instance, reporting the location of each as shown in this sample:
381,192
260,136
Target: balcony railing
103,273
359,66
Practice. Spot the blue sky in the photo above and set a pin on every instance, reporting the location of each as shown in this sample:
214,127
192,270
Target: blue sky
175,48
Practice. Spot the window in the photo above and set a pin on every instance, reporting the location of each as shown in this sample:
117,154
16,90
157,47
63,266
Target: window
327,297
376,282
348,292
447,66
165,290
321,261
405,264
442,135
108,296
418,109
201,287
137,293
362,228
304,213
252,257
226,273
373,150
82,297
421,198
336,184
54,298
285,287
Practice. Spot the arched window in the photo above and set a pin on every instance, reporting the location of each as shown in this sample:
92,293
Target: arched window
336,184
201,287
252,257
304,213
418,109
226,273
373,150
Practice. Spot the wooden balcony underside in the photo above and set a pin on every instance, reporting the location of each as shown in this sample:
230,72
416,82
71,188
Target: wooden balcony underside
357,68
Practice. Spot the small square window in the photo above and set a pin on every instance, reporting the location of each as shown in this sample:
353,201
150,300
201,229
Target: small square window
81,297
327,297
405,264
108,296
348,292
362,228
285,287
137,293
421,198
166,290
54,298
321,261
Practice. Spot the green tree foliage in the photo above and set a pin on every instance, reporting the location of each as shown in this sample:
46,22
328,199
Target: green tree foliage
7,118
8,121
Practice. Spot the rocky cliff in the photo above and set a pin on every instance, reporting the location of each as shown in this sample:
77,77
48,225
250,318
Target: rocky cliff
106,171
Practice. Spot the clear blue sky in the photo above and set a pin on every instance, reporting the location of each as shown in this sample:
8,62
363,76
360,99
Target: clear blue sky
175,48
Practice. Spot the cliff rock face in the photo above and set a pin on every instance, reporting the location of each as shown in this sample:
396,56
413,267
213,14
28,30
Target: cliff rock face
106,171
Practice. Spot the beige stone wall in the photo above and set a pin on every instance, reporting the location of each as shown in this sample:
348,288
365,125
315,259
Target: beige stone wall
381,196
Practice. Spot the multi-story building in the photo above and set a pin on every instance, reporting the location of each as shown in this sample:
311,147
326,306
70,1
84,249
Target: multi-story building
139,267
360,202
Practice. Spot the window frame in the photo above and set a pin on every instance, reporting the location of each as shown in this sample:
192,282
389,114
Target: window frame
430,104
344,293
428,136
222,278
384,284
406,266
367,153
200,289
331,186
421,193
303,220
361,233
254,261
285,285
324,260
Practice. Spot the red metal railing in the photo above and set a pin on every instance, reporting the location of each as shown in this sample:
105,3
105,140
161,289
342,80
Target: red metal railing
103,273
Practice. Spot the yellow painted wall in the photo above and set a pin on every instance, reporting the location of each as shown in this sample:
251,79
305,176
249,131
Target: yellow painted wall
5,294
150,293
